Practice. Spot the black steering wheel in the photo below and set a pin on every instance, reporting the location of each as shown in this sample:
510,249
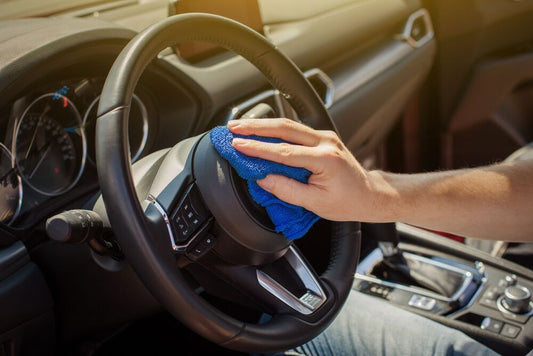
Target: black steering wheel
185,208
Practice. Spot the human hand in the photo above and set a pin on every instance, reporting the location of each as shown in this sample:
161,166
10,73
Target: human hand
338,189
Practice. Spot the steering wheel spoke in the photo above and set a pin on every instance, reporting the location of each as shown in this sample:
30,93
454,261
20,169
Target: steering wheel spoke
303,293
187,221
288,285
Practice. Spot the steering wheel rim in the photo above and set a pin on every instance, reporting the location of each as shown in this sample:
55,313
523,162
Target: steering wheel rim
155,264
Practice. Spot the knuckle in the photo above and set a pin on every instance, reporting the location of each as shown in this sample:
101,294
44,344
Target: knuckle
331,153
290,192
284,150
287,123
330,137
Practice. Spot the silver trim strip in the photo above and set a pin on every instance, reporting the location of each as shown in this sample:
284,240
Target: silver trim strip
183,247
467,279
474,297
401,287
151,199
308,302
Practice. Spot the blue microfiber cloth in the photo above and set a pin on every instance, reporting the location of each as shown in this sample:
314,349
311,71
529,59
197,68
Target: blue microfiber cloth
291,220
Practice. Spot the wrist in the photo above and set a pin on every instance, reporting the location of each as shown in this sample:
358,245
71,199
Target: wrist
386,201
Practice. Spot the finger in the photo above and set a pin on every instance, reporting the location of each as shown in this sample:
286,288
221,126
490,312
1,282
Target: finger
289,190
284,153
284,129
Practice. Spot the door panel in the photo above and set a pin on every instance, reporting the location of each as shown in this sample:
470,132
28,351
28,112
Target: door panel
482,79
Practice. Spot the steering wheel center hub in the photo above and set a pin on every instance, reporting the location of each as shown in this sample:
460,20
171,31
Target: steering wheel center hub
249,237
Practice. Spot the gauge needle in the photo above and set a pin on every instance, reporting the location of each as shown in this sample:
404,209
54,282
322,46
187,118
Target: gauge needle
46,109
45,153
3,178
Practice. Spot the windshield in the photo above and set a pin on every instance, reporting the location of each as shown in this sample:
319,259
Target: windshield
15,9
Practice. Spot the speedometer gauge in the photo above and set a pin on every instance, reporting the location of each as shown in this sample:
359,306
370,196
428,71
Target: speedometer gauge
10,188
50,145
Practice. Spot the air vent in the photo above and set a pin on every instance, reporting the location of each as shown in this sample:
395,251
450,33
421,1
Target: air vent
269,97
278,106
322,84
418,29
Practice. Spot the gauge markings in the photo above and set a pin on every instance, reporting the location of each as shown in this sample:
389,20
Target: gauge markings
49,145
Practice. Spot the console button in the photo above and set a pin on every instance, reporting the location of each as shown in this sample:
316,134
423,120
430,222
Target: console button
200,248
181,223
182,227
502,283
421,302
497,290
491,294
189,215
377,290
491,325
510,331
488,302
490,297
511,279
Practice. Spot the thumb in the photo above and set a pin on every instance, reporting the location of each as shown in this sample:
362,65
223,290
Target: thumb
286,189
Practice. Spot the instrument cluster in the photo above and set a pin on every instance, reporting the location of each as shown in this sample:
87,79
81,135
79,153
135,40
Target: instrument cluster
49,143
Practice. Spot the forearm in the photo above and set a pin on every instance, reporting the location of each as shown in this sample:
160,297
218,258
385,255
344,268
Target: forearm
493,202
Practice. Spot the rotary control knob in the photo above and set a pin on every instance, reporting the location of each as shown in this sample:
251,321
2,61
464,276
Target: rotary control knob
517,299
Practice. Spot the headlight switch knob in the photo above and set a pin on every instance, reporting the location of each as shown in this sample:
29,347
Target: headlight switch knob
74,226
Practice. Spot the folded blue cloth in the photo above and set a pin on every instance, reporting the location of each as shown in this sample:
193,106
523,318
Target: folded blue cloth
290,220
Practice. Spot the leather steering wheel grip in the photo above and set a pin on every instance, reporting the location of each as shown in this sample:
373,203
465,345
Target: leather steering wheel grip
156,266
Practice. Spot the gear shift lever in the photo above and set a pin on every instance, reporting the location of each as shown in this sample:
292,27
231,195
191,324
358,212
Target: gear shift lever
395,266
388,238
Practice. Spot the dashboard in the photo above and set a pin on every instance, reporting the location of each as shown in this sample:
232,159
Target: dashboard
48,120
52,71
49,141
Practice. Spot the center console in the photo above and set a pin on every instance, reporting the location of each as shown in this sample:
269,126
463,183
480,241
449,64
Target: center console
485,297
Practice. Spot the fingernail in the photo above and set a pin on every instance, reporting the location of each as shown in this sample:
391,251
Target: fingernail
266,183
233,123
238,141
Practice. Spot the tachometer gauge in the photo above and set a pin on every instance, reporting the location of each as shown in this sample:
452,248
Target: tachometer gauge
49,145
137,127
10,188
